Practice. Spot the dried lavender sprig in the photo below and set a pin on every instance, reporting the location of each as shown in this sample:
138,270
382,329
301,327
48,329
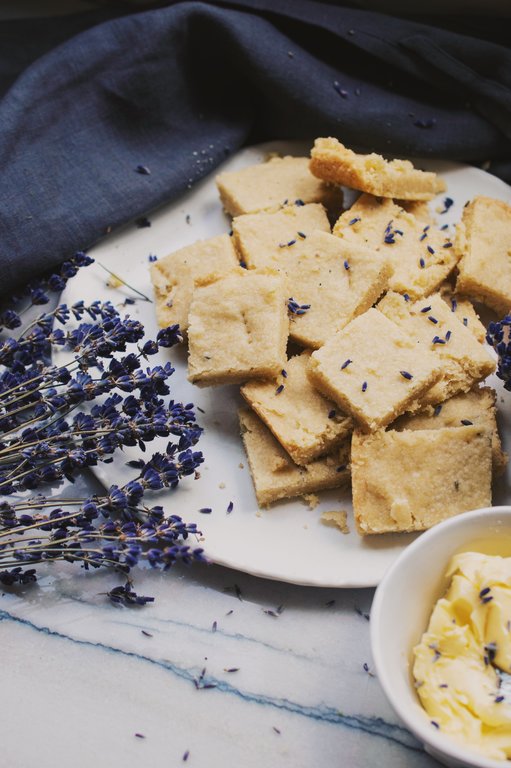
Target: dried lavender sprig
52,388
35,399
40,443
134,535
27,382
498,336
53,397
113,544
36,291
48,453
162,470
88,341
42,461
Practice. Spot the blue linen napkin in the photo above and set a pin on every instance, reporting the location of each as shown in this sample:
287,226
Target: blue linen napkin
104,117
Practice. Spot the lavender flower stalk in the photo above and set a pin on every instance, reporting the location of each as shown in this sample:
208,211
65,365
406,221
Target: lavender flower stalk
498,336
46,438
34,530
37,292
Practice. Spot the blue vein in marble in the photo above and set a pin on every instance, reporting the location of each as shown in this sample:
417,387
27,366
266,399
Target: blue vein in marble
375,726
219,630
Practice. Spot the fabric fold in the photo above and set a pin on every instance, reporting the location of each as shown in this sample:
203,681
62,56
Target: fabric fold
179,88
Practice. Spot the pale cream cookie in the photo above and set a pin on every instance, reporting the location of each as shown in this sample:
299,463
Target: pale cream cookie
431,323
483,241
333,162
373,370
174,276
238,329
263,239
304,422
279,181
411,480
474,407
421,255
276,476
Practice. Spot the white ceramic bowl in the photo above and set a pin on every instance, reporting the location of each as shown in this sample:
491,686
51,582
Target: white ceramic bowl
402,607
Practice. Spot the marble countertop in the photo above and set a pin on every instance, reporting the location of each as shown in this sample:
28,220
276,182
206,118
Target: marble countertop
222,669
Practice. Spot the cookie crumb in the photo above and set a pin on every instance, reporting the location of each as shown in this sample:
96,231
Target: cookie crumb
336,518
311,500
113,282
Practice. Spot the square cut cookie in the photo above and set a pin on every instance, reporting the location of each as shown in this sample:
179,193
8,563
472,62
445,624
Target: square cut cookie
279,181
464,310
263,239
238,329
275,476
430,322
483,241
409,481
373,370
422,256
336,279
304,422
173,277
332,161
474,407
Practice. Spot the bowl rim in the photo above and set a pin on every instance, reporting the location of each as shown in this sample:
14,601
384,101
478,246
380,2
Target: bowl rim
438,741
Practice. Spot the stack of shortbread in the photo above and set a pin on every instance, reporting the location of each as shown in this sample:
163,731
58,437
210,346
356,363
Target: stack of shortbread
382,387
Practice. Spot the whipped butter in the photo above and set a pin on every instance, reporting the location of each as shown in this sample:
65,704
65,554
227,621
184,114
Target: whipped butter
458,661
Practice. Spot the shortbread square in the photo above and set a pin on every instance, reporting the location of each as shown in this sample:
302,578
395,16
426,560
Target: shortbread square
464,310
332,161
277,182
173,276
238,329
464,360
304,422
422,256
263,239
274,474
474,407
373,370
483,241
409,481
336,280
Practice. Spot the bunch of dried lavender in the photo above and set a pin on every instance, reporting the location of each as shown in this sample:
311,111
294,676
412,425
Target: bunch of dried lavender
499,337
46,438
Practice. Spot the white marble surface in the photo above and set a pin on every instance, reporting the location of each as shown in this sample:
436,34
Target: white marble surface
81,677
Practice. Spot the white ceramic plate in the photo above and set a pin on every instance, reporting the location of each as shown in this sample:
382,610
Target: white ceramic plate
287,542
